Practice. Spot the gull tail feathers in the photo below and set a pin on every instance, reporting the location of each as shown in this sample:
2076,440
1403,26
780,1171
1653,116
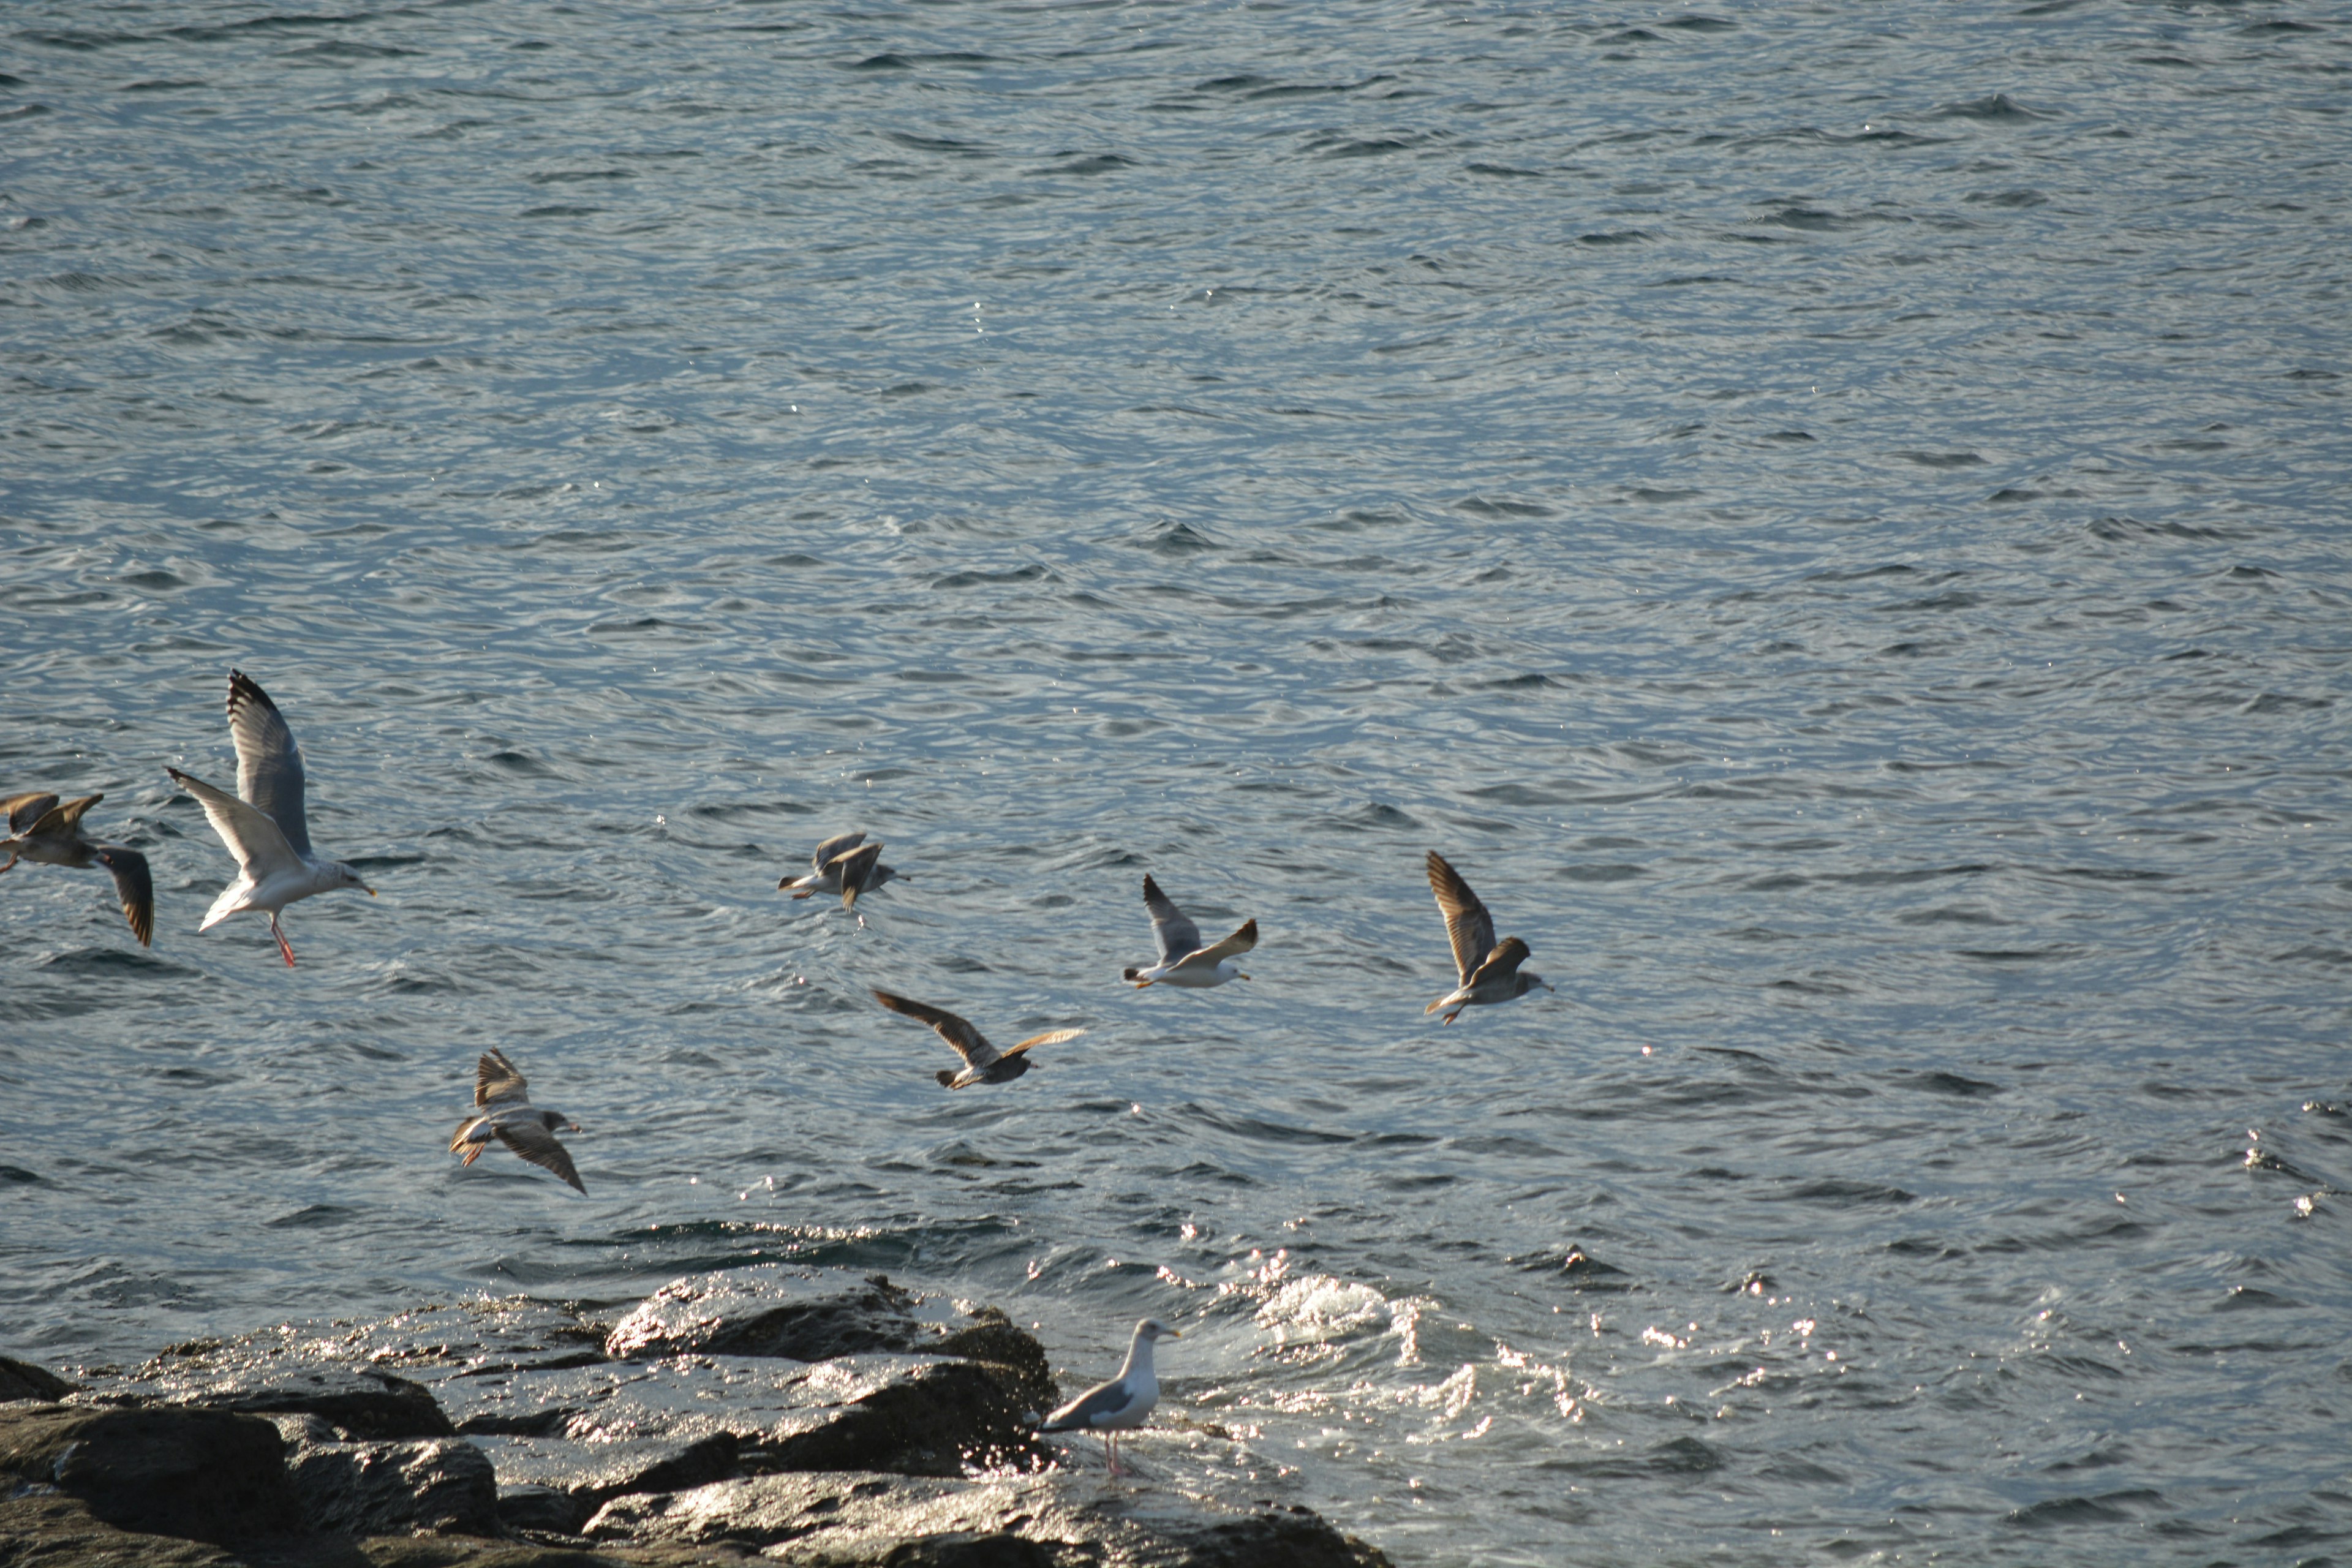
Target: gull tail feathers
231,900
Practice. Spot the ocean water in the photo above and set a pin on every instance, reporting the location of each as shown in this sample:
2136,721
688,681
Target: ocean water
1832,517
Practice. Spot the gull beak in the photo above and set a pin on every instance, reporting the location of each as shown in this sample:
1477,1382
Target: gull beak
370,891
1173,1333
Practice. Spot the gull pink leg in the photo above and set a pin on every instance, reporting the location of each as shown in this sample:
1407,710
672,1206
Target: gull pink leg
281,942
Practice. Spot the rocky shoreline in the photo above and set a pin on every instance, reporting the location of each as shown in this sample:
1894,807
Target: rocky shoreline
794,1415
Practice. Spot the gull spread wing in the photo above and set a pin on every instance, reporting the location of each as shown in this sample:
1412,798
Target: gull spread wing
134,887
1467,925
66,819
855,866
268,763
535,1143
831,847
1233,946
968,1043
1050,1037
23,810
1176,935
255,838
1499,963
497,1079
1102,1400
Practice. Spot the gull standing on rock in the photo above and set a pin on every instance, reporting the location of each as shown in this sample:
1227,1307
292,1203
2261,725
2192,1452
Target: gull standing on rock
1124,1402
265,830
848,866
1490,973
508,1115
1182,960
49,834
983,1063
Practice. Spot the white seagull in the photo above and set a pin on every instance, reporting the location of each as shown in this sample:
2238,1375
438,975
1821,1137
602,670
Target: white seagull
509,1116
1489,971
265,830
1182,960
1124,1402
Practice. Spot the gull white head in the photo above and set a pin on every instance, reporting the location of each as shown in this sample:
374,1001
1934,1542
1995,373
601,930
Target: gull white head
345,877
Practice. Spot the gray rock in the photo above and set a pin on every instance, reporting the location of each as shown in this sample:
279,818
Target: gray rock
854,1520
53,1530
205,1475
547,1509
23,1380
437,1486
360,1401
816,1314
634,1426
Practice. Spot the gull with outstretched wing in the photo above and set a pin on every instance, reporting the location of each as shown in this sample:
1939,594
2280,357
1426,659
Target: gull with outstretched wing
49,834
263,824
983,1063
1182,960
505,1113
1489,971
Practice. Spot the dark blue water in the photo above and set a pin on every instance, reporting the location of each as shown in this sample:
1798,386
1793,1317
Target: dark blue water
1832,518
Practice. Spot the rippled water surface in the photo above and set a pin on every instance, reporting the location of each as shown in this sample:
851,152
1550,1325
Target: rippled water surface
1832,517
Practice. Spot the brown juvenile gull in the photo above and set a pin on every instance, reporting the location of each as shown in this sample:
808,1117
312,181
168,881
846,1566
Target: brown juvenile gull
847,865
508,1115
47,834
1490,972
1182,960
266,830
1125,1402
983,1063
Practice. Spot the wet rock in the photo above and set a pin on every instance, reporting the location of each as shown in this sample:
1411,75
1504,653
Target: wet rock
591,1472
53,1530
816,1314
364,1402
547,1510
23,1380
206,1474
632,1427
435,1486
851,1521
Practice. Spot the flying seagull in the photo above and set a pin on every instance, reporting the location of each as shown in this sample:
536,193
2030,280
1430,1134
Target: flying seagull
1490,973
1182,960
508,1115
47,834
1125,1402
266,830
983,1063
847,865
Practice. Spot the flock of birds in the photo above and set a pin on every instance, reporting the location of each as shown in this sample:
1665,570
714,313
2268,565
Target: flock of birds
264,827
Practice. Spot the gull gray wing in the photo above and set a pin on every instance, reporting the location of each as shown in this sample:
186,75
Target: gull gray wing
968,1043
1499,963
497,1079
254,838
832,847
23,810
1102,1401
537,1145
268,763
1176,935
855,866
134,886
1468,926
